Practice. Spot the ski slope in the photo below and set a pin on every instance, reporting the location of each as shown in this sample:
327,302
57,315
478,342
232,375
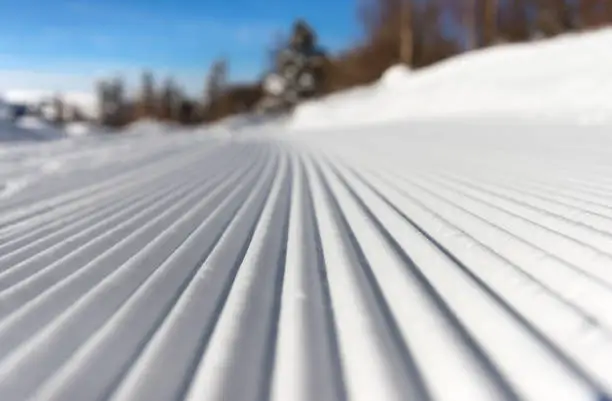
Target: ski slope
452,258
443,261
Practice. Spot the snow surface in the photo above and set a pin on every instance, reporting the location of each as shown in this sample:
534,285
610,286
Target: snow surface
442,259
40,127
568,77
451,260
79,129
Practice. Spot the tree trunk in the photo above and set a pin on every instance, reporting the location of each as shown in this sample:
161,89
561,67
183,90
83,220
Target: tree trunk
489,15
468,12
406,51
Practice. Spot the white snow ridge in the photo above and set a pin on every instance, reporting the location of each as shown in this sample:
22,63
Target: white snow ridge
568,78
444,259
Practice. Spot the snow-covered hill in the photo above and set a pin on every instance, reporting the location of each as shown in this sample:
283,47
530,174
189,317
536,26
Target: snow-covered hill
565,78
86,102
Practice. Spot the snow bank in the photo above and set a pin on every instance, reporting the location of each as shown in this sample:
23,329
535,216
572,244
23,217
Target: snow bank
12,133
79,129
29,129
40,128
567,77
240,127
33,123
241,123
4,110
9,132
147,127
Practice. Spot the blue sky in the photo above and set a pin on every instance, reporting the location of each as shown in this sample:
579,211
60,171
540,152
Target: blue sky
66,44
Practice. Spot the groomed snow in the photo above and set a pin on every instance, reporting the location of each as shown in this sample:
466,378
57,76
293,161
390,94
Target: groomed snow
450,259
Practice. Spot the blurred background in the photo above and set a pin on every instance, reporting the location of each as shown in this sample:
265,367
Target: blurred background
116,62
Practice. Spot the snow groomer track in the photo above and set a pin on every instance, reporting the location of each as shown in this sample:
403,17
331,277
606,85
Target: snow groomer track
428,262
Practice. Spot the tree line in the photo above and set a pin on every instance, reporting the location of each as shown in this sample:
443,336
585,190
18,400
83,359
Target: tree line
416,33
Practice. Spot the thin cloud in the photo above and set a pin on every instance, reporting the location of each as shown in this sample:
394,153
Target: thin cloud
44,81
151,25
102,41
82,77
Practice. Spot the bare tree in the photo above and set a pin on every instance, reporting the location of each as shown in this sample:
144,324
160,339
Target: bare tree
217,80
468,13
59,109
595,13
431,44
103,102
77,114
607,11
148,101
406,40
170,100
489,15
112,102
514,25
119,100
554,17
